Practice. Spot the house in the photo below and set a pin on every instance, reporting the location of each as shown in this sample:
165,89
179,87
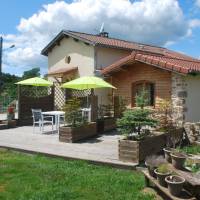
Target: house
129,66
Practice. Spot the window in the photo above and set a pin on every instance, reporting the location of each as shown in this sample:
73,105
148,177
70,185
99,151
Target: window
140,86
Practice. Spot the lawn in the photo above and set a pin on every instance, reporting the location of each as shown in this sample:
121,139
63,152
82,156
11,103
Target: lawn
34,177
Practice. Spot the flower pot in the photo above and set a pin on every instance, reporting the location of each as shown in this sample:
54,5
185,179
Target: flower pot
167,152
151,170
178,160
161,177
175,184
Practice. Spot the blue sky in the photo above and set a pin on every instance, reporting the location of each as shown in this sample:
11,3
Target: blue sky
30,26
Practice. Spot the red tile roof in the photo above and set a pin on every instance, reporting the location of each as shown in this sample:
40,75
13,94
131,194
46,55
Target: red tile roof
98,40
172,61
153,55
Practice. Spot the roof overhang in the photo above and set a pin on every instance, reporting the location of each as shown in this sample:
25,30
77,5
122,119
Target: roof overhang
147,59
59,37
60,72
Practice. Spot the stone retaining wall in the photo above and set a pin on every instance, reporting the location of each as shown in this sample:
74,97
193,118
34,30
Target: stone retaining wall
179,95
193,131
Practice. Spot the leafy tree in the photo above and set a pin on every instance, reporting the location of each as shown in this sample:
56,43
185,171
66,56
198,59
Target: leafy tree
8,87
34,72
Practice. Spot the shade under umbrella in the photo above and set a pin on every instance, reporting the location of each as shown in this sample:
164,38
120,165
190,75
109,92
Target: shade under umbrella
87,82
36,81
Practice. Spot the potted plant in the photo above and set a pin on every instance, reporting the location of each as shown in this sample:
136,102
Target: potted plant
138,141
10,113
152,162
77,127
11,116
175,184
178,159
161,173
167,153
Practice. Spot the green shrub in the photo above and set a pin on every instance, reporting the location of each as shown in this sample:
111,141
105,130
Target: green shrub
73,115
134,120
163,169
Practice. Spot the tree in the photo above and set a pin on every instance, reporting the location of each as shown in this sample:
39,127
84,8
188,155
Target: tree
134,120
34,72
8,87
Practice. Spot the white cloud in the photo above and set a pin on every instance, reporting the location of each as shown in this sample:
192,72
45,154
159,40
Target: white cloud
194,23
198,3
148,21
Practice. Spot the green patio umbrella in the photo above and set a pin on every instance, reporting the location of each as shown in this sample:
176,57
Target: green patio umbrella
36,81
87,82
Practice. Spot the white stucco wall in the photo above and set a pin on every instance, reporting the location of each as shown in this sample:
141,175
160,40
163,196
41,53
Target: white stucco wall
107,56
82,56
193,99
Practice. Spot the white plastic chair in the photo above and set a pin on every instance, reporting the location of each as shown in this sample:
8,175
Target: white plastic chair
39,119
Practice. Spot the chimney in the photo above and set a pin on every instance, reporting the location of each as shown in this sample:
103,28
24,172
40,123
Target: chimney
104,34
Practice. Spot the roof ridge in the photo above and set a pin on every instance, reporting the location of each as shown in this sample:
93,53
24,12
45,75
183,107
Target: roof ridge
138,43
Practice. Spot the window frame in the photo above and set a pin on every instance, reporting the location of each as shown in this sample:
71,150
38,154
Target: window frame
133,92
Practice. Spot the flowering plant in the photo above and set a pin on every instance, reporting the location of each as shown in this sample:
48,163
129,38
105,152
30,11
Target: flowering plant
10,110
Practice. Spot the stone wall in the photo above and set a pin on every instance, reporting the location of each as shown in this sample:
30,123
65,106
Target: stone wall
179,98
193,131
179,95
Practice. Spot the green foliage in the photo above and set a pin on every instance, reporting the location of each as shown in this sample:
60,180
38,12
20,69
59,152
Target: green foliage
163,169
192,165
34,72
72,111
9,88
133,120
142,99
192,149
25,177
122,105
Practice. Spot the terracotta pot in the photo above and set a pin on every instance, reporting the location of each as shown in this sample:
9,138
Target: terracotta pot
178,160
175,184
151,170
167,152
161,177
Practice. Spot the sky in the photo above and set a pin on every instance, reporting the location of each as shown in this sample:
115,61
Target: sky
31,25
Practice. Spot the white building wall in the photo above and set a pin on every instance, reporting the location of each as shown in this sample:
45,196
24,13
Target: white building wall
82,56
192,113
105,57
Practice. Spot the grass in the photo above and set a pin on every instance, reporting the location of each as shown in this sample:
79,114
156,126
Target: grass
34,177
193,149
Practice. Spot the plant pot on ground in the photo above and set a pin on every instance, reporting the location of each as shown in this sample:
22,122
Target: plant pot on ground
152,162
167,153
175,184
178,160
161,173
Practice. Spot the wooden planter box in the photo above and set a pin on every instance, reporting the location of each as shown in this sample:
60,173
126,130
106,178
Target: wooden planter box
109,124
71,134
12,123
8,124
106,124
3,125
137,151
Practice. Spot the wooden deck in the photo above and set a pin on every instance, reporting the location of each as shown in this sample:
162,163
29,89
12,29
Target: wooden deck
100,150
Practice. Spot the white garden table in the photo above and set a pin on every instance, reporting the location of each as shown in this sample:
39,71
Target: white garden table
57,115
